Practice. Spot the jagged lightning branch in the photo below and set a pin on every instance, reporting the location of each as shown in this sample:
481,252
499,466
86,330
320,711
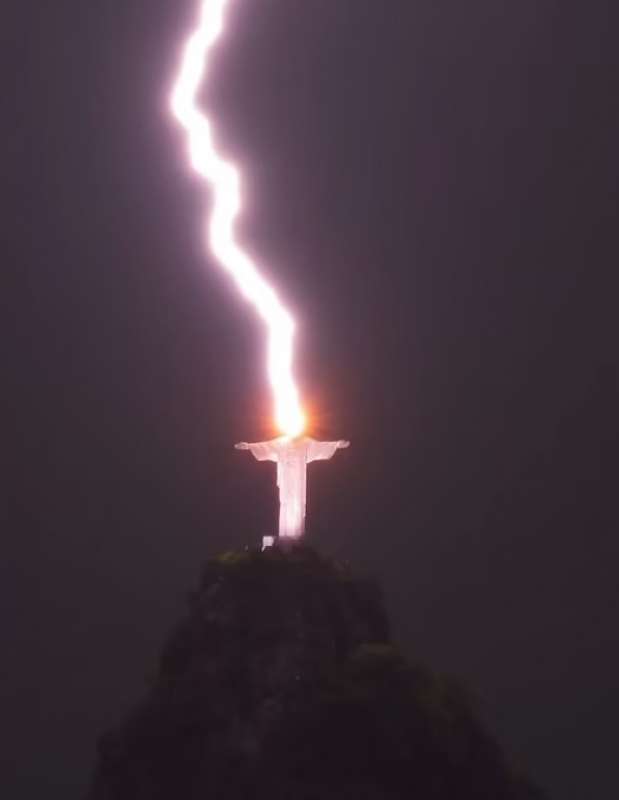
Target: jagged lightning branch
225,182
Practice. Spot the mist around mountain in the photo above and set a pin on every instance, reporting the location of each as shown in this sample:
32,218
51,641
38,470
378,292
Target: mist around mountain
282,681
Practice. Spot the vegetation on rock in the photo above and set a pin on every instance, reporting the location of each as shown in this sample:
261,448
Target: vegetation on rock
282,682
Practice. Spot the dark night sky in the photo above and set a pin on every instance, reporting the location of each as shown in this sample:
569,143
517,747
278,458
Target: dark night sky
430,185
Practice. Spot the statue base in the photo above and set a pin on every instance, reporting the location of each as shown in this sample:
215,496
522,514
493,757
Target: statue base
284,543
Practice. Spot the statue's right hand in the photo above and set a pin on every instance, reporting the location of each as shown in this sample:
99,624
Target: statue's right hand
242,446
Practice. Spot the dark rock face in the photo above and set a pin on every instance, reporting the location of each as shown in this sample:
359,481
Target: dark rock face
282,683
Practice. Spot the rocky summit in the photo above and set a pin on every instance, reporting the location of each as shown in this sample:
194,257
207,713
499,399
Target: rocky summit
282,682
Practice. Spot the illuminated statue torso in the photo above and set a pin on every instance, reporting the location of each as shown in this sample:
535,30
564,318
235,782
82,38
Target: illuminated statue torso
292,457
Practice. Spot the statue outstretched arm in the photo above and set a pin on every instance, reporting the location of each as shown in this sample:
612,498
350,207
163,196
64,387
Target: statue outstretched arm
261,451
322,451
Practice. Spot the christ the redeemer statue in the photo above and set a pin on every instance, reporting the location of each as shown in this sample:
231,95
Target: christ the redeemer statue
292,456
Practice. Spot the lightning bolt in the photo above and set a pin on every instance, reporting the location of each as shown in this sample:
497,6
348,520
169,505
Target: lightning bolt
225,183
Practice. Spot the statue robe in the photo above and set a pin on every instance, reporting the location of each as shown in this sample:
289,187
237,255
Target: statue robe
292,457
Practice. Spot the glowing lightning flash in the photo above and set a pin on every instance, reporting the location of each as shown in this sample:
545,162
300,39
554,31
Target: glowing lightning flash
225,182
292,452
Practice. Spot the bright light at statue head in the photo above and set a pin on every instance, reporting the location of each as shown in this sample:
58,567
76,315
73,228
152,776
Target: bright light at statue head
291,422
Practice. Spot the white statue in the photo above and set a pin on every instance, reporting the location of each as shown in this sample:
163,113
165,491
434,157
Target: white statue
292,456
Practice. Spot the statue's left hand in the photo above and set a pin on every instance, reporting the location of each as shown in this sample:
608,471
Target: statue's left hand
343,443
241,446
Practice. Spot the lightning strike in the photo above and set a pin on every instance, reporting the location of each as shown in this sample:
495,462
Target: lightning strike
225,182
293,451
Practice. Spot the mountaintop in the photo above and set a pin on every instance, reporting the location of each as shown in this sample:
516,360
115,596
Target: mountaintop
283,682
